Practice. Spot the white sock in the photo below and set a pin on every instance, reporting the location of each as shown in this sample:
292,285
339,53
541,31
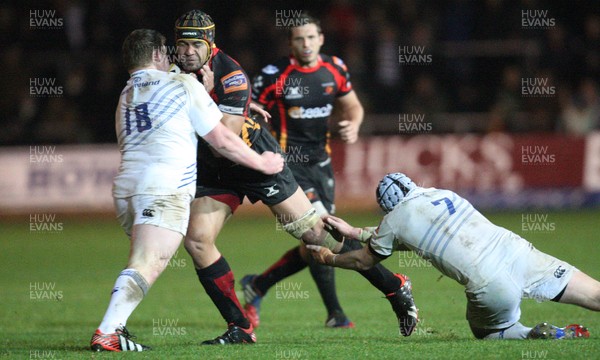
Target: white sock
130,288
517,331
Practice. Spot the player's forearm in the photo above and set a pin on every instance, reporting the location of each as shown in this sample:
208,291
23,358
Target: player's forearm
355,114
355,260
231,146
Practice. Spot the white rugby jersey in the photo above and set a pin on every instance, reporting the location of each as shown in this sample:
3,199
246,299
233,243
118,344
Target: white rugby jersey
447,230
157,119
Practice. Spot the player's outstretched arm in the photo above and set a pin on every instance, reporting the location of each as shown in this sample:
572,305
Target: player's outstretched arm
342,227
361,259
235,149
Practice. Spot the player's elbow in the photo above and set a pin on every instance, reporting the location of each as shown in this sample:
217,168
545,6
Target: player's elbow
220,138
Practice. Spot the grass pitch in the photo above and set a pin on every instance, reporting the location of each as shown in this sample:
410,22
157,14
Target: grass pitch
56,280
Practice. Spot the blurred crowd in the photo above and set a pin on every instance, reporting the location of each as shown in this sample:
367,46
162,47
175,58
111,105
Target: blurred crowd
521,65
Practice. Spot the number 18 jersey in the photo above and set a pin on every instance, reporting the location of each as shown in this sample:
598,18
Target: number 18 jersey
157,119
447,230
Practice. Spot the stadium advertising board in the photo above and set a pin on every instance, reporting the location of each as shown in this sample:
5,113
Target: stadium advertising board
494,171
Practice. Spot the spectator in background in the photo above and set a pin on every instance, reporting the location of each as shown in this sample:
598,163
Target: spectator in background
388,72
509,103
426,98
558,53
542,110
570,49
591,56
581,113
61,124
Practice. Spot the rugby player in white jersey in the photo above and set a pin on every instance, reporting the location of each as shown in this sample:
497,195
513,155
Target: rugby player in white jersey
496,266
158,118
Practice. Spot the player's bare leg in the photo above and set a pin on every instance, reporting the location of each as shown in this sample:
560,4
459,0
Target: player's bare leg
294,211
583,291
151,249
207,218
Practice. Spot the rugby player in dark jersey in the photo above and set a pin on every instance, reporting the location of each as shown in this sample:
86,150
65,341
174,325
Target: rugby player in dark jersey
221,185
300,92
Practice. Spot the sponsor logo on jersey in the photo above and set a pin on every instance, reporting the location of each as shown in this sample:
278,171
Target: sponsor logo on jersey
234,81
328,87
271,190
148,213
231,109
138,84
295,92
270,69
559,272
300,112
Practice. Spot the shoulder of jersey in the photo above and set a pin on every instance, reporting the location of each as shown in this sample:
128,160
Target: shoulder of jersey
189,82
335,61
224,64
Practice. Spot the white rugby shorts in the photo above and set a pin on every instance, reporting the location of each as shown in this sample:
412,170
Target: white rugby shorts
166,211
533,275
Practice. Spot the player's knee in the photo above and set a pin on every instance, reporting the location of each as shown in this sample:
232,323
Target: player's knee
305,227
199,238
596,297
310,229
151,267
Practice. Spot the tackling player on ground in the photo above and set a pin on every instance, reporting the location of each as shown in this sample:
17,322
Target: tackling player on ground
496,266
301,91
158,118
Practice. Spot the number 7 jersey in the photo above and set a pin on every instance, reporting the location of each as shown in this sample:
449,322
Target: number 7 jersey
157,119
450,233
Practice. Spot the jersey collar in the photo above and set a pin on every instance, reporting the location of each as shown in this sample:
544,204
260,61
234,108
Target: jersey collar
297,66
